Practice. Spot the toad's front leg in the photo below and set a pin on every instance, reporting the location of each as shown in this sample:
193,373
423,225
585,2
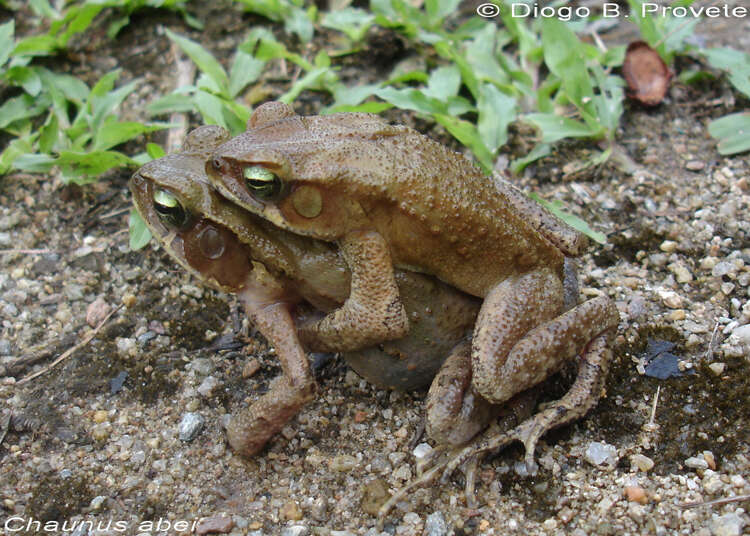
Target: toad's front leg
373,312
250,429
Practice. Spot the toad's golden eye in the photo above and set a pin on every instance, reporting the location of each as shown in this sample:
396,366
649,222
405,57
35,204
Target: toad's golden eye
263,183
169,209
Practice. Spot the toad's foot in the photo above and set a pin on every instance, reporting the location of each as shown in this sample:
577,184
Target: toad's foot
582,396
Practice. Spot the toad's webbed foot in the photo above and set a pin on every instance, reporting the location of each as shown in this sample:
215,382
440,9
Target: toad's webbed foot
582,396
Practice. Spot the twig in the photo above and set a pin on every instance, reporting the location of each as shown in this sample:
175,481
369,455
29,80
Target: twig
715,502
114,213
87,339
710,351
653,406
27,251
5,426
185,76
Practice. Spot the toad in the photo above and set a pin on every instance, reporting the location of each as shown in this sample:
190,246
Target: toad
391,198
276,274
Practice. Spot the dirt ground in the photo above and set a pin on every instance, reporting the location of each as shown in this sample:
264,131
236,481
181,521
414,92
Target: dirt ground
97,437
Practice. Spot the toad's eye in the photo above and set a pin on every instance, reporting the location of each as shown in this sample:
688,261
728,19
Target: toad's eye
170,210
262,183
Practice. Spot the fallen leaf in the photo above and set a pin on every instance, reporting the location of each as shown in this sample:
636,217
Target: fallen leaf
646,74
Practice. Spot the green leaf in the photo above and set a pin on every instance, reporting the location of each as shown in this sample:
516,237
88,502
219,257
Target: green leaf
21,107
480,54
437,10
155,151
202,58
49,134
139,232
71,88
297,22
412,99
496,111
311,80
37,45
174,102
26,77
116,25
735,63
211,108
353,22
467,134
470,80
733,133
555,127
271,9
43,9
557,208
113,132
14,150
371,107
444,82
83,167
564,56
539,151
102,106
6,40
79,19
245,70
351,96
35,163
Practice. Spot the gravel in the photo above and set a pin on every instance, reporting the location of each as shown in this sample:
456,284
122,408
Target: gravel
676,262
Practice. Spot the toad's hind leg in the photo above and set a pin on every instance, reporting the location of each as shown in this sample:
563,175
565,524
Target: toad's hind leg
582,396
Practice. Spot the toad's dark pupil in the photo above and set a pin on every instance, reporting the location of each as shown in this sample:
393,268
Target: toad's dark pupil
169,209
262,182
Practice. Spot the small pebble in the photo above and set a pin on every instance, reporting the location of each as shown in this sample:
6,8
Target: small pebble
671,299
374,495
696,462
202,366
192,291
421,450
636,494
190,426
695,165
250,368
668,246
730,524
402,472
100,416
97,311
126,346
319,509
129,300
343,463
712,483
601,454
100,432
97,502
710,460
214,525
290,511
208,386
717,368
435,525
641,462
295,530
